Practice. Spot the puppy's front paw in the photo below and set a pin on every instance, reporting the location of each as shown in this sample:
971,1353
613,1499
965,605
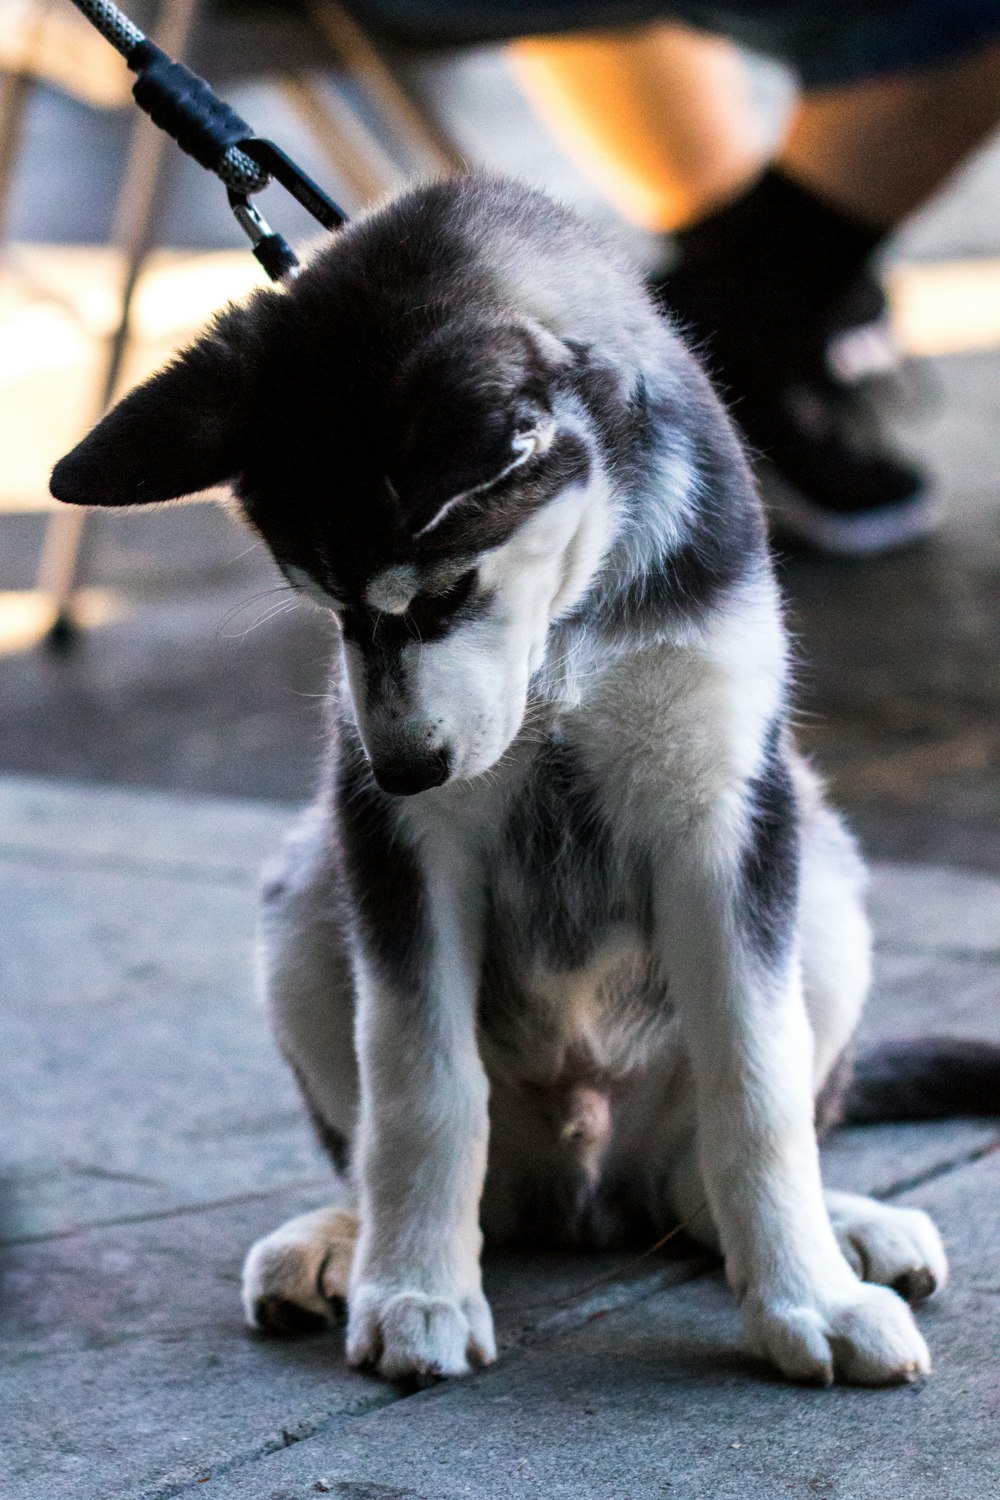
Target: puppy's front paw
866,1336
405,1333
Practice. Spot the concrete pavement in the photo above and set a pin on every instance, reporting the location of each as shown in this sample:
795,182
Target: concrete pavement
151,1133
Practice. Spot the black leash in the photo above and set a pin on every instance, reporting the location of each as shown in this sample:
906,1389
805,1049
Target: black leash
204,126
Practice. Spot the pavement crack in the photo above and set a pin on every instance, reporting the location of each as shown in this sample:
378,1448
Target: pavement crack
175,1212
556,1318
285,1437
565,1314
938,1170
231,876
985,955
110,1174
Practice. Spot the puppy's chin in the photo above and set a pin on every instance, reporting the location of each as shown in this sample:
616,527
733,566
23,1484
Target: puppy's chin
479,761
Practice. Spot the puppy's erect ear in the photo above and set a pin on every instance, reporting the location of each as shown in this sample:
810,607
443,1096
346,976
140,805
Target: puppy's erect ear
179,432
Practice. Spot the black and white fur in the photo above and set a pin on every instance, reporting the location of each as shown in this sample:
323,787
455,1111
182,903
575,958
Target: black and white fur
569,946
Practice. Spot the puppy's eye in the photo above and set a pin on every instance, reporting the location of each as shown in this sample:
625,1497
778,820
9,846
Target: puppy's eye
426,608
531,440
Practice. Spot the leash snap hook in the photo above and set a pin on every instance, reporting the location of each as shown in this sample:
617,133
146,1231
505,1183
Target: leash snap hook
271,249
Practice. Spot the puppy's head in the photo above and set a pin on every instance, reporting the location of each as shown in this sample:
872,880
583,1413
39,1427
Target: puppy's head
424,472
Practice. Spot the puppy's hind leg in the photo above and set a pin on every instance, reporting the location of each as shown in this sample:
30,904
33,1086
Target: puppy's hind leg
293,1277
891,1246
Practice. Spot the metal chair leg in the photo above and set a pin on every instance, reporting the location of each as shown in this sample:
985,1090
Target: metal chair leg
17,90
361,58
69,530
354,152
13,108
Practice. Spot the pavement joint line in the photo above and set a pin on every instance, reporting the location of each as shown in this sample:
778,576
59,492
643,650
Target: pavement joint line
177,1211
565,1321
614,1296
920,950
289,1438
306,1184
192,874
939,1170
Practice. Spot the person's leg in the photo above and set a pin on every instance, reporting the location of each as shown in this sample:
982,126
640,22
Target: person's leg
879,148
775,283
774,276
660,117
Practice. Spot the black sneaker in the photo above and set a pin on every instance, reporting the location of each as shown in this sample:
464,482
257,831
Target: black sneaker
815,408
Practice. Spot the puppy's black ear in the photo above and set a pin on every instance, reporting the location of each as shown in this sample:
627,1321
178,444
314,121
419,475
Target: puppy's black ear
179,432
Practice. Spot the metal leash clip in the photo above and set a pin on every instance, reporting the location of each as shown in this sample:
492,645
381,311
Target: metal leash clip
205,127
272,250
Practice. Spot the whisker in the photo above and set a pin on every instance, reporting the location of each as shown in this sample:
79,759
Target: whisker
285,607
281,588
252,547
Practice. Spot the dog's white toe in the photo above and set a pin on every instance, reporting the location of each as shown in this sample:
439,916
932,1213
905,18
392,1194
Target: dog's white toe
896,1247
409,1333
865,1337
293,1277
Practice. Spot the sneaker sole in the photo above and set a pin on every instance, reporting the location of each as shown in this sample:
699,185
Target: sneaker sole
865,534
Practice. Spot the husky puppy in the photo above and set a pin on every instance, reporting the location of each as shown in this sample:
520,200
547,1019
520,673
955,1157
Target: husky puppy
569,946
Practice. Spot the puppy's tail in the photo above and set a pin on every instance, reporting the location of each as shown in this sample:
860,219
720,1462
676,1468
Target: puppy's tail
922,1078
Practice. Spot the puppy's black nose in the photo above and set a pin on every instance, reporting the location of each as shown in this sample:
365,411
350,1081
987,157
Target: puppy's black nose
404,778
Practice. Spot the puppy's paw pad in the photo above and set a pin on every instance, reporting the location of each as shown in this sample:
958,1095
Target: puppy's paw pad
868,1337
894,1247
407,1334
293,1277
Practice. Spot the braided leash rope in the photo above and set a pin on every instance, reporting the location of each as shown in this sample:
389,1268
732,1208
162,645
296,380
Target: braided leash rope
205,127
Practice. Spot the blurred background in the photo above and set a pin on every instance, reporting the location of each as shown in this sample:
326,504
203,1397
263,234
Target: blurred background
185,675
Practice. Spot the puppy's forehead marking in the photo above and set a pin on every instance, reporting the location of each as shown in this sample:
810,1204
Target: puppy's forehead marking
392,591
